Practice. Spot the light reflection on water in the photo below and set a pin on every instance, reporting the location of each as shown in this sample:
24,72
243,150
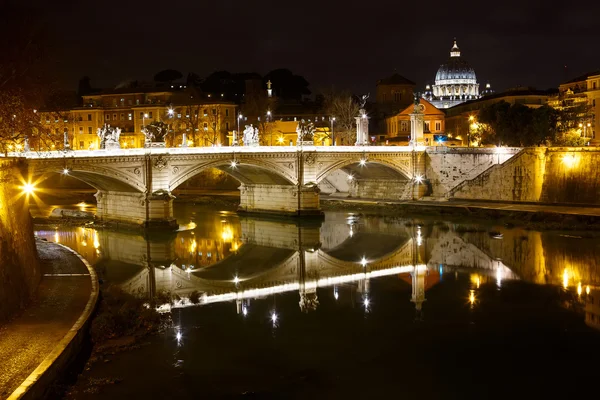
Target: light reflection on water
225,258
351,299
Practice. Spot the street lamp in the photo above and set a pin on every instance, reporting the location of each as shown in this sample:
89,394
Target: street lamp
235,137
269,120
332,119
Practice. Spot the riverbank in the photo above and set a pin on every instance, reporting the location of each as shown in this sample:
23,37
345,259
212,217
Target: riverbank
533,216
37,346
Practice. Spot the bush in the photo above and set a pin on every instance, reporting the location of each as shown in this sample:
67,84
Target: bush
122,314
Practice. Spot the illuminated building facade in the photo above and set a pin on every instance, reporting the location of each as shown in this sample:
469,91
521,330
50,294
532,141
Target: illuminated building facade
205,123
584,89
455,82
398,127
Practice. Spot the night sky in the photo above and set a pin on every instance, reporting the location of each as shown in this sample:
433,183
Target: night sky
346,44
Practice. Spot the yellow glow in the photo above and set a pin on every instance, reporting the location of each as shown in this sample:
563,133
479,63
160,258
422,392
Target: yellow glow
96,242
566,279
56,237
280,139
28,188
579,289
193,246
227,234
235,246
10,146
570,160
82,206
472,297
587,289
471,118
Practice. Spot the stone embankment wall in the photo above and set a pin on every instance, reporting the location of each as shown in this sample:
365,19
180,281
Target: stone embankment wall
546,175
19,264
447,168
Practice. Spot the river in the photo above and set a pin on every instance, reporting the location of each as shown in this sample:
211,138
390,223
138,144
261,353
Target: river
354,306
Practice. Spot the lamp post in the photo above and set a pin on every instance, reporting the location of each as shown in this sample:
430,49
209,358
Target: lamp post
332,119
269,120
235,137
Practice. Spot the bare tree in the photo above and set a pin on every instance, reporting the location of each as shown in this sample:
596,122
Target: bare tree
213,133
259,109
342,107
187,121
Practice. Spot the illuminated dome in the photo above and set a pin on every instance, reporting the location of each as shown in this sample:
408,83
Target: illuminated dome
455,82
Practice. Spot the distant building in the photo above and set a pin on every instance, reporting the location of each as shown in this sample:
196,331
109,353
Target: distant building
584,89
399,128
455,82
460,118
131,108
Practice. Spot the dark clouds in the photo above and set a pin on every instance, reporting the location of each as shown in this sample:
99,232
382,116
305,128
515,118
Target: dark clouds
343,43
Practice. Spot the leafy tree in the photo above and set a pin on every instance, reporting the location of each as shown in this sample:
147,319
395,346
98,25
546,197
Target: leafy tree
167,76
158,130
286,85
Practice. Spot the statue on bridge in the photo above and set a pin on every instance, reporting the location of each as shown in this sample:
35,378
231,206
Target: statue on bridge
306,133
250,137
155,134
26,148
109,137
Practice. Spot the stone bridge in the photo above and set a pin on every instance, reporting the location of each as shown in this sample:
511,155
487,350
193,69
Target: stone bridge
135,185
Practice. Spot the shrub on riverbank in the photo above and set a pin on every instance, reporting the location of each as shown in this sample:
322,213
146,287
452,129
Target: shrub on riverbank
122,314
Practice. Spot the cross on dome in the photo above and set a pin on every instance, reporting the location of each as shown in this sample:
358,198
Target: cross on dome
455,51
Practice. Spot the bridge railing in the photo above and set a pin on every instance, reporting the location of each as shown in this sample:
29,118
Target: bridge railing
212,150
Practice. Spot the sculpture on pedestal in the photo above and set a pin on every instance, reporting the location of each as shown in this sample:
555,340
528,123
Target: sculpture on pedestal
416,121
66,145
109,137
306,133
155,134
250,136
362,123
26,145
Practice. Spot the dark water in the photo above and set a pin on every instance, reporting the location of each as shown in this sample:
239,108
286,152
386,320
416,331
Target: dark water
353,307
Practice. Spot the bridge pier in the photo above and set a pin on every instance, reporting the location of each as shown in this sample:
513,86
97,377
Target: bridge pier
154,211
284,200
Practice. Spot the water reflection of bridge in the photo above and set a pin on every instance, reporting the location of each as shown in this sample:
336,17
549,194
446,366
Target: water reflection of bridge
257,257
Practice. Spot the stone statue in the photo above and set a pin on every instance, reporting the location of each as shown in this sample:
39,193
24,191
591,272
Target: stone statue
363,100
306,133
250,137
26,144
109,137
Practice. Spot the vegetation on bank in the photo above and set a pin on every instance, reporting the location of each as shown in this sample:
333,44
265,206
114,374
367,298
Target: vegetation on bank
122,314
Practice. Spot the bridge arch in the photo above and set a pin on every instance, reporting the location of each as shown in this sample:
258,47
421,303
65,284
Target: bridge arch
98,177
246,171
375,168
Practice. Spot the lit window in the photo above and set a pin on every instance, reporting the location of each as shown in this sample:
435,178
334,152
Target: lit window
129,116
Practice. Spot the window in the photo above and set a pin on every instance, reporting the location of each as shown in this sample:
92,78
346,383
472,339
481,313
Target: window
122,117
114,117
438,126
227,126
89,117
150,114
107,117
137,102
89,130
594,85
81,144
178,115
205,126
122,101
397,97
129,102
404,126
205,112
426,126
227,112
81,129
129,116
214,111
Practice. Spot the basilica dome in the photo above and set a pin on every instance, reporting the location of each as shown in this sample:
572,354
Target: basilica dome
455,82
455,69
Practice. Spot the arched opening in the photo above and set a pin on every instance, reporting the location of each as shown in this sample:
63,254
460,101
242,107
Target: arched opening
72,190
365,179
